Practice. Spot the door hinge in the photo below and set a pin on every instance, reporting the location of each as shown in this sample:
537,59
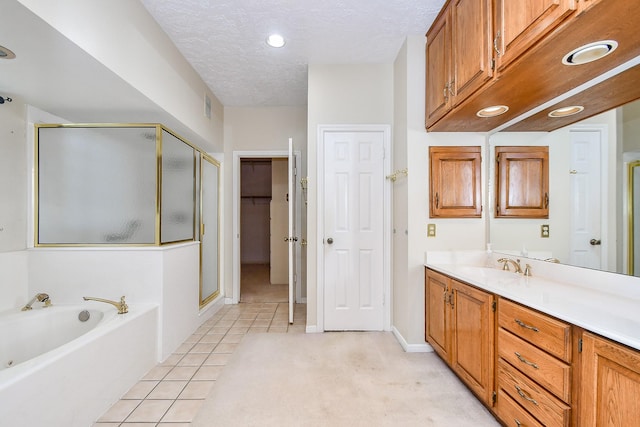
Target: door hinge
493,306
494,397
580,345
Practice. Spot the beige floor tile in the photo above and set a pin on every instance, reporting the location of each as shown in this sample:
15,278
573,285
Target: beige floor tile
278,330
233,338
237,329
280,323
211,338
203,348
197,390
208,373
219,359
167,390
259,323
157,373
247,316
219,329
172,425
119,411
181,373
126,424
184,348
225,348
224,324
194,338
297,329
140,390
258,329
99,424
192,359
183,411
268,316
172,360
150,411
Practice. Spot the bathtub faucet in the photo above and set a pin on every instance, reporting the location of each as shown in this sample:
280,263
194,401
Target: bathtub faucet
121,306
40,297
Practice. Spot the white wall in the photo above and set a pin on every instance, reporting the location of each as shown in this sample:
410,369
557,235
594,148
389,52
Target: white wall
123,36
339,94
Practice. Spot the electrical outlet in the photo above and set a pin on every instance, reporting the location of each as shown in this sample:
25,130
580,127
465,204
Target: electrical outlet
544,231
431,230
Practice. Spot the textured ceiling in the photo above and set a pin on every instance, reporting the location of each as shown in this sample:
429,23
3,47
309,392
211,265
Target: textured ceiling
224,40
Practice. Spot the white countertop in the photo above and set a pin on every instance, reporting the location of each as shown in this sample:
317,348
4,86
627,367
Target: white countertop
603,310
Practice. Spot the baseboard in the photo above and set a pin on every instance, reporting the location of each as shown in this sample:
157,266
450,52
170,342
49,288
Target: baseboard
312,329
411,348
228,300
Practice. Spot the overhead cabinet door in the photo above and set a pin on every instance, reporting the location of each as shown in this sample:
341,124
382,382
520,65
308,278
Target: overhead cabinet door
455,182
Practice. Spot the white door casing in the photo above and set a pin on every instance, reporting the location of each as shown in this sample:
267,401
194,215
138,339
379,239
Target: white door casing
353,211
292,238
586,199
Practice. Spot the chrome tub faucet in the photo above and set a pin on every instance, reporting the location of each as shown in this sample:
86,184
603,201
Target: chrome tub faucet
121,306
42,297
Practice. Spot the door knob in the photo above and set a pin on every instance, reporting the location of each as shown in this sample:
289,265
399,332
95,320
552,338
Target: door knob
330,240
594,242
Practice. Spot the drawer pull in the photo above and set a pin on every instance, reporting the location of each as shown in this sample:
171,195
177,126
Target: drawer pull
524,325
525,397
525,361
518,423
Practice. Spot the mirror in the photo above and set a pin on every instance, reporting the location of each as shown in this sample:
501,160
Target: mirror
589,191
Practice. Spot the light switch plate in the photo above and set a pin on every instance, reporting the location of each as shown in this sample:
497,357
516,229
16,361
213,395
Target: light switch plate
544,231
431,230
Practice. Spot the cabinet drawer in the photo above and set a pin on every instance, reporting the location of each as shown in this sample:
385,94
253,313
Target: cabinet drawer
546,370
549,410
511,414
541,330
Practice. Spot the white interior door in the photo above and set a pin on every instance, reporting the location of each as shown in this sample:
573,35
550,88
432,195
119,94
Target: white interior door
353,231
292,239
585,245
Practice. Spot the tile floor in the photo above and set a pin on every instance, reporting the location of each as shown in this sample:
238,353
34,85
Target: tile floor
171,394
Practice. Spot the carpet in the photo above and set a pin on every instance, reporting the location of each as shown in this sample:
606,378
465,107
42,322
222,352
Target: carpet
337,379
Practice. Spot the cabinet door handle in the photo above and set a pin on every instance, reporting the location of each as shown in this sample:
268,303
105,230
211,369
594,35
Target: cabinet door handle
518,423
451,85
546,200
524,325
445,92
445,296
525,361
437,200
525,397
451,299
495,43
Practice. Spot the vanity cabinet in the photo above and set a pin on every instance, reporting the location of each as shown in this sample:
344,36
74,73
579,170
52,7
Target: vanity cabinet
458,55
522,182
534,365
521,24
455,182
460,327
610,383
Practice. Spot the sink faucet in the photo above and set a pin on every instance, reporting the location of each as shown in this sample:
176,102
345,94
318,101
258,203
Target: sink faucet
40,297
515,263
121,306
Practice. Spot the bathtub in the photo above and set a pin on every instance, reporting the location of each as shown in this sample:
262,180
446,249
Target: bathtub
56,370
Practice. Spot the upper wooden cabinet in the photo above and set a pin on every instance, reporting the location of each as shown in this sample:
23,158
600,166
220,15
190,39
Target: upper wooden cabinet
458,55
455,190
509,52
520,24
522,180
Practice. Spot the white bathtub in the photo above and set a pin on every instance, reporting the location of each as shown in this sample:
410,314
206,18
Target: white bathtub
58,371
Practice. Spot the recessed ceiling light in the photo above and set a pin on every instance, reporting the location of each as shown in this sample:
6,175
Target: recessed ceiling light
566,111
6,53
493,111
590,52
275,40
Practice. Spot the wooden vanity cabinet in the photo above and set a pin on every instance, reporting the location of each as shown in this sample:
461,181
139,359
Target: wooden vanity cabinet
609,383
534,365
455,182
460,327
521,24
458,55
522,181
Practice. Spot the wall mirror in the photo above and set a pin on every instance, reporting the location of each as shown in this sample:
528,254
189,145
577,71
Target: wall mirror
589,223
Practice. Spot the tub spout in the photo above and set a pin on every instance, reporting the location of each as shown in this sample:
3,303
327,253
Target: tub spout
121,306
40,297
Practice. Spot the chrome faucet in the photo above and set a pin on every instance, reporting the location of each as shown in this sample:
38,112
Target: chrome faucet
40,297
121,306
515,263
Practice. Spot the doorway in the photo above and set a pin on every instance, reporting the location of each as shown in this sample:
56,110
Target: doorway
255,272
263,228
